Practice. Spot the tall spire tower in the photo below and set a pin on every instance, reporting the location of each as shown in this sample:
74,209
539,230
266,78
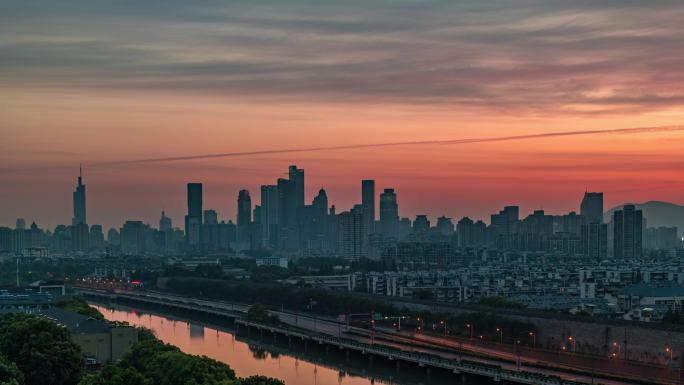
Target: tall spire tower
79,200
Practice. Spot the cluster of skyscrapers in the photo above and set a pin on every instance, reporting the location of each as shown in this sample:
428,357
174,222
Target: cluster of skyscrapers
284,223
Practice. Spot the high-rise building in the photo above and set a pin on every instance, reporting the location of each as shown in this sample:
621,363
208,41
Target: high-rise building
421,224
389,213
591,207
80,237
445,226
165,223
210,217
244,217
368,203
113,237
193,220
353,237
595,240
297,176
269,215
96,237
288,236
20,224
244,209
627,232
133,238
79,201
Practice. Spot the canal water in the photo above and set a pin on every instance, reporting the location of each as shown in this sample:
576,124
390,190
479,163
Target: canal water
294,364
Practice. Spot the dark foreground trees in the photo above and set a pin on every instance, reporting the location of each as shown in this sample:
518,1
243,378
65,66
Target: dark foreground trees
41,350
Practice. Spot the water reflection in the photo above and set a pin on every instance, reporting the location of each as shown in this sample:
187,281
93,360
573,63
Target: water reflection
291,362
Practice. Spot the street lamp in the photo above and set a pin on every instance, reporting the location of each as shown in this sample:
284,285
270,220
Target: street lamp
500,332
669,350
574,344
534,338
470,326
445,327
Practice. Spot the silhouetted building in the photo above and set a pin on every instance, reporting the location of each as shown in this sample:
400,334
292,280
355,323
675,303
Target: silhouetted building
20,224
627,232
80,237
79,198
591,207
288,235
5,239
445,226
193,220
389,213
244,216
595,240
661,238
165,223
96,237
210,217
113,237
133,238
368,203
269,215
244,209
297,177
353,237
421,224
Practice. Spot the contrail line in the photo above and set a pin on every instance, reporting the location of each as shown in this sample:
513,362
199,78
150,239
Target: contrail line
397,144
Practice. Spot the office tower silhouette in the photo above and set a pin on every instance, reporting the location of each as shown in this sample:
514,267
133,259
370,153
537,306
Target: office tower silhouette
79,198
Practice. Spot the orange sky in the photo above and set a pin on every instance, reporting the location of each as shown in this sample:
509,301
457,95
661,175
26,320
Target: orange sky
124,83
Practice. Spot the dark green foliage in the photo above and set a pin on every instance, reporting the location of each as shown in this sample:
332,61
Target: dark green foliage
673,317
260,380
259,313
166,365
80,306
9,373
116,375
145,334
501,302
42,350
290,297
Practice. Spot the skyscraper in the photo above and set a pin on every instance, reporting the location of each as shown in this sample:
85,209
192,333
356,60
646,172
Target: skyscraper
591,207
244,209
368,203
210,217
79,201
627,232
165,223
193,220
269,215
389,213
353,237
297,177
595,240
20,224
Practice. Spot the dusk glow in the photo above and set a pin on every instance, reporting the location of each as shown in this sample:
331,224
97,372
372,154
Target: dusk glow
93,83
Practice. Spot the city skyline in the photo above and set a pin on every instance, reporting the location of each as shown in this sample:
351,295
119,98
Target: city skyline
115,84
368,196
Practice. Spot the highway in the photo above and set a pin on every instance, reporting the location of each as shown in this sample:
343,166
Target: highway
531,359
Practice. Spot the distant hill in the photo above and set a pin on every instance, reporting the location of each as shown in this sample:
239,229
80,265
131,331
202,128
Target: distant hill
658,214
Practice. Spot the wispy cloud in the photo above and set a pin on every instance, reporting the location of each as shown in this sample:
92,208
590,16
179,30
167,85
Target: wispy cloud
583,57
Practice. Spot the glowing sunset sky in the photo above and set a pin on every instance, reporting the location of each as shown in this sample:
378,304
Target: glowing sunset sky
109,81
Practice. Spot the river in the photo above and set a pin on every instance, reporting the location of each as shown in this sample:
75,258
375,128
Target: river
289,364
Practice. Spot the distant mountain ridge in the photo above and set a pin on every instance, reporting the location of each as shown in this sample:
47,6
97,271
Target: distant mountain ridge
657,214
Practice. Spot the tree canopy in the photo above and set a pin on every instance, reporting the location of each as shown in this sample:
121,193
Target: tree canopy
41,349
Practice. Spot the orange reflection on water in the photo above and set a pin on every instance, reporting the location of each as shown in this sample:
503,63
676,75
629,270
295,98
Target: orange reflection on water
194,338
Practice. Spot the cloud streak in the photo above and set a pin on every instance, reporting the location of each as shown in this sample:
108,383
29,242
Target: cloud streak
619,131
